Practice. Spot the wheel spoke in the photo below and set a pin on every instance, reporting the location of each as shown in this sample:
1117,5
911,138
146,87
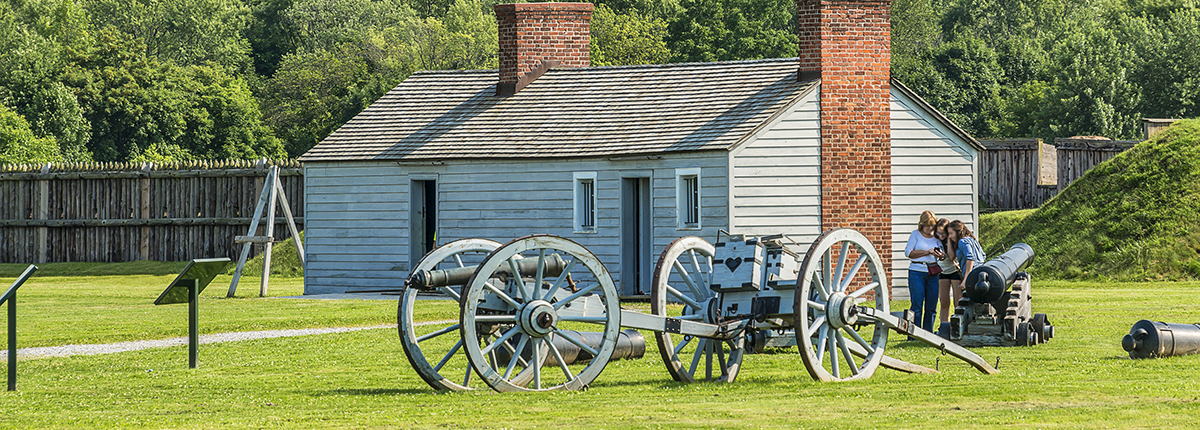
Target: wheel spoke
577,342
841,342
510,333
853,272
561,363
700,347
450,292
537,364
721,357
467,377
859,292
558,282
816,325
705,275
518,281
817,306
496,318
825,276
687,278
446,358
516,355
823,333
575,295
501,295
682,343
684,298
839,274
541,267
857,338
458,260
833,360
708,356
819,287
594,320
437,333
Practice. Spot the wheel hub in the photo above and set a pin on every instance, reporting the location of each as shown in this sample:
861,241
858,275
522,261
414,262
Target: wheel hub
840,311
538,318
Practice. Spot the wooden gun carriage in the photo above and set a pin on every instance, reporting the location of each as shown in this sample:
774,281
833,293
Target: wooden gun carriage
520,302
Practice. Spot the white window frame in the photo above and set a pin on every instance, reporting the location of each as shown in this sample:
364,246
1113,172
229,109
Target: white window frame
681,199
580,211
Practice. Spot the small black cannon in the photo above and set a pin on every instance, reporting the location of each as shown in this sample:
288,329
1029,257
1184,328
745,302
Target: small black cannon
999,284
1155,339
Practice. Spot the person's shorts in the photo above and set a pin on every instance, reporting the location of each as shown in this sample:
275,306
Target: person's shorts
956,276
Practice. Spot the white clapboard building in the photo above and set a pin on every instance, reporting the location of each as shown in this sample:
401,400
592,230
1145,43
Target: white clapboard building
621,159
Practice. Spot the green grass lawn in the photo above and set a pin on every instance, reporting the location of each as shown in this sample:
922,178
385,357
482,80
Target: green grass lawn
1081,379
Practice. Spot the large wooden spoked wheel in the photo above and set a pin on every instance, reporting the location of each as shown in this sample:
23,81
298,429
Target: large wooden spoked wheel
833,284
683,275
536,310
440,342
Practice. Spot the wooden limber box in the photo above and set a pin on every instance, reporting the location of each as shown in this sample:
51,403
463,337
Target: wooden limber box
742,265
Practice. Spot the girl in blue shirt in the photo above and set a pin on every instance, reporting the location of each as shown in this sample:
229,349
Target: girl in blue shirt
969,252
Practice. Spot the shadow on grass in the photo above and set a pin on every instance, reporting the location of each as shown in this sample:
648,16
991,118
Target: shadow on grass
158,268
376,391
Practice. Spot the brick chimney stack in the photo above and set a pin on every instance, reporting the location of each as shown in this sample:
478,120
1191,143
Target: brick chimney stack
847,45
535,37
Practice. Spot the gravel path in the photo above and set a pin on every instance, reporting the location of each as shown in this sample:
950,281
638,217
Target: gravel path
111,348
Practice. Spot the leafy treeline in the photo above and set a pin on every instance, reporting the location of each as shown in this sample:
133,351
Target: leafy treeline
120,80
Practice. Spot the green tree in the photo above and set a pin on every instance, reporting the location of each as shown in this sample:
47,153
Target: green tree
1093,93
34,37
18,144
187,32
1167,63
134,101
718,30
626,39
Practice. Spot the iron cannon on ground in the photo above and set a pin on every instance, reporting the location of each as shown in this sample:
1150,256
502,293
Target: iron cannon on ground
1155,339
527,306
996,307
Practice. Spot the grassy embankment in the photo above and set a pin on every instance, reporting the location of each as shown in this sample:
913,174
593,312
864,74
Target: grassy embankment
1135,217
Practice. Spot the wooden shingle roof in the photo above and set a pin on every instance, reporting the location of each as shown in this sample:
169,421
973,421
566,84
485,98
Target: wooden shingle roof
595,111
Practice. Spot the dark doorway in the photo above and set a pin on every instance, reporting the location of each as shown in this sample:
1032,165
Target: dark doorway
637,238
422,218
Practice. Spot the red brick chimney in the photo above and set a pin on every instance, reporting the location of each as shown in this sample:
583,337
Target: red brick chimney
535,37
847,45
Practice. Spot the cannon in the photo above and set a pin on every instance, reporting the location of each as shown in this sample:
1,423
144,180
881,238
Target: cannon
531,304
1153,339
999,284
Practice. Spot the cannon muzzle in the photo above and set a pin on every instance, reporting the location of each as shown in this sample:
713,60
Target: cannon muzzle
989,281
1151,339
429,279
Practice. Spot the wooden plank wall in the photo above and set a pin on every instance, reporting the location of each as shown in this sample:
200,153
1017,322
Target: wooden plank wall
1009,175
1077,156
114,212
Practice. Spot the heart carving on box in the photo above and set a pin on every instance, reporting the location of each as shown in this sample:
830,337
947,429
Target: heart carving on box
733,262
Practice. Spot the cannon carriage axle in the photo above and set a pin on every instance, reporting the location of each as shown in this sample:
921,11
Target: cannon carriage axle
709,305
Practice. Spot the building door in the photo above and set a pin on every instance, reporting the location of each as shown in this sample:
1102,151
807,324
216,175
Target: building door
637,238
422,219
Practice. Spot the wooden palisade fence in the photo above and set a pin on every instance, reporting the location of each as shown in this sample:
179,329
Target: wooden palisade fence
113,212
1016,173
1077,156
1024,173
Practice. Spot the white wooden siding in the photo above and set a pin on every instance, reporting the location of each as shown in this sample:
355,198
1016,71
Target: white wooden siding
932,169
495,200
776,176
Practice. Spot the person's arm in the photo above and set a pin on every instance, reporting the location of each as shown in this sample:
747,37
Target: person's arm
966,270
910,248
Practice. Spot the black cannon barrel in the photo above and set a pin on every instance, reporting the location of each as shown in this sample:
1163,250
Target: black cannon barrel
1150,339
987,282
460,276
630,346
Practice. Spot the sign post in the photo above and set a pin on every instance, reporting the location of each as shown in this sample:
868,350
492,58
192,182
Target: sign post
186,288
10,296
